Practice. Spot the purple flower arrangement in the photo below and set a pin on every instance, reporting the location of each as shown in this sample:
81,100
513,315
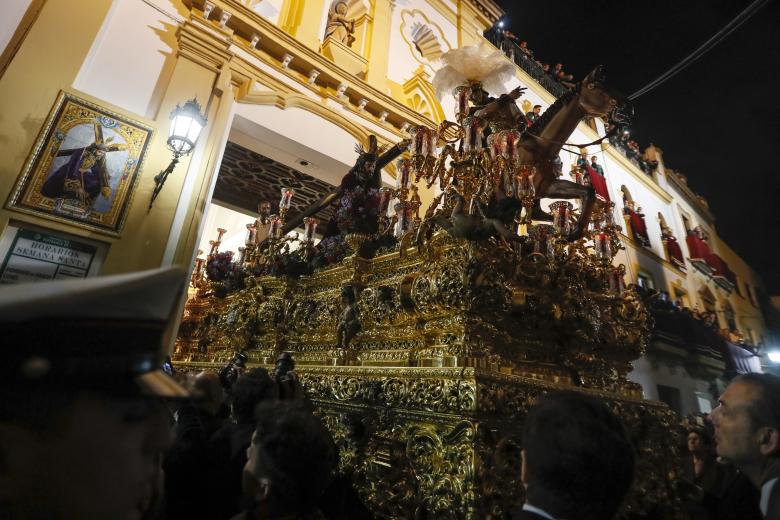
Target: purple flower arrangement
221,267
229,275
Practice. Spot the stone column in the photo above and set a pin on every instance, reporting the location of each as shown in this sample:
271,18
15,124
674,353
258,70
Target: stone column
303,20
378,45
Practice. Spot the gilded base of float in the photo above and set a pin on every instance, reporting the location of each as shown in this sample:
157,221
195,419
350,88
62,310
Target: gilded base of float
424,378
425,442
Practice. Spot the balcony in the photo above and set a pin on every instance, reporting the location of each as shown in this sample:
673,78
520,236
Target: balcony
513,52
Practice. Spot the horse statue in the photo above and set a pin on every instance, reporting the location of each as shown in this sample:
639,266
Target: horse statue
541,143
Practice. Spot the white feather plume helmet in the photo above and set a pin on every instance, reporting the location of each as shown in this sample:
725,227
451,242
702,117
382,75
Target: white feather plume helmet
473,64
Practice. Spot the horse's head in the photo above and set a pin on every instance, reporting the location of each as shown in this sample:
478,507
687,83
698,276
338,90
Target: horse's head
599,100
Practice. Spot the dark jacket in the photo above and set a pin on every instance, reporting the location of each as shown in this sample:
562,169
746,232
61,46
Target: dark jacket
736,499
526,515
773,511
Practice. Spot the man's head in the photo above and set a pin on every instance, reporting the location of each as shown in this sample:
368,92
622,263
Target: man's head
537,109
577,459
698,441
250,389
558,66
593,159
82,424
290,461
264,208
747,422
208,388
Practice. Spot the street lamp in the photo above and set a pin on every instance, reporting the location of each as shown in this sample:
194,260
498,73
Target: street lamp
186,125
774,356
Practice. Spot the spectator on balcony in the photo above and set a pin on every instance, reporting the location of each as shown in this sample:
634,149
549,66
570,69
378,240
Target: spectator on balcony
596,166
534,114
509,35
582,160
526,51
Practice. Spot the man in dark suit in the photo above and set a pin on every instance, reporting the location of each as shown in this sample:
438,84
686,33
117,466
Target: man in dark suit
577,460
747,433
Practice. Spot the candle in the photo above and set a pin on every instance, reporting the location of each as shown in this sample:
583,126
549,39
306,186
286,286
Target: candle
402,224
474,128
509,145
494,144
403,175
602,246
461,95
276,227
524,186
561,211
310,228
286,200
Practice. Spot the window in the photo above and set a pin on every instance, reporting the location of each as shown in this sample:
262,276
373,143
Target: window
671,396
736,285
704,402
645,281
751,294
728,312
707,299
682,295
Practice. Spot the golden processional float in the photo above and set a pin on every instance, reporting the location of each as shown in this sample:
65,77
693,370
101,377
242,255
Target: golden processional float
423,341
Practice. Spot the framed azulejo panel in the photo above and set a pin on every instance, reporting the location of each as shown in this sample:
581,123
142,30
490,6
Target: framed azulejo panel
84,167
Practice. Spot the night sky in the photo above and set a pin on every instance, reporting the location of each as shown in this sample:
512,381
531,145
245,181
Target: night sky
718,121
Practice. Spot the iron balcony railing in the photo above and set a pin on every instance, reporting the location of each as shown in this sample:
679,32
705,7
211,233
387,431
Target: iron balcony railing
521,59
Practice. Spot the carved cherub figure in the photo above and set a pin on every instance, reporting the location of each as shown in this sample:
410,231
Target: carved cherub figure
349,322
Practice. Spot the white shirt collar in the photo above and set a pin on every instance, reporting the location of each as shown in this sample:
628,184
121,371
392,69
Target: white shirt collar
536,510
766,492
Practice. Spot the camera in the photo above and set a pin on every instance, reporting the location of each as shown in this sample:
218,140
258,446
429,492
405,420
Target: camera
230,372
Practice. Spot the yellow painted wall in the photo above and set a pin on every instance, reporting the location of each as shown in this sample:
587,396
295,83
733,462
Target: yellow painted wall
43,66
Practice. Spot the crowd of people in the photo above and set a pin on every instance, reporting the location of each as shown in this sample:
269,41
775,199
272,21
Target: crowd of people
630,148
93,426
669,310
519,50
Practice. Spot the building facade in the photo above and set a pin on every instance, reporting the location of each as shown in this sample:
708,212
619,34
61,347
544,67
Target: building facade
288,87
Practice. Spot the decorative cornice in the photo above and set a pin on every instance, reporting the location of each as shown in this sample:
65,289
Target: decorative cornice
636,173
690,196
489,9
274,43
202,45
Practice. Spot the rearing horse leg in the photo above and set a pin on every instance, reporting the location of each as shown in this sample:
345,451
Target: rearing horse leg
562,189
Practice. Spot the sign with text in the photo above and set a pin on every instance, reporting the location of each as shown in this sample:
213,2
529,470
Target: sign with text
37,256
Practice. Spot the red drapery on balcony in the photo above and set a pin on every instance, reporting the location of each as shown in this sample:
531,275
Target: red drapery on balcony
698,248
638,226
675,252
719,267
599,184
